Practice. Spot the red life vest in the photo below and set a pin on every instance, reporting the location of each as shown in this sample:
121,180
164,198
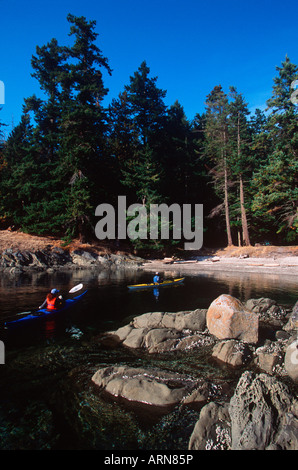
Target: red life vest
51,303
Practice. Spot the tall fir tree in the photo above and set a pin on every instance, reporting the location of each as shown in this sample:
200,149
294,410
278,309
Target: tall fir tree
83,124
216,149
138,124
177,156
147,107
70,131
276,182
239,143
26,189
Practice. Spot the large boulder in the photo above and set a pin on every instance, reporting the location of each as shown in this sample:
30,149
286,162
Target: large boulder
227,318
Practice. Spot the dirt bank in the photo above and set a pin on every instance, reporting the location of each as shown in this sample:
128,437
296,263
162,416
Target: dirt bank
269,251
22,241
25,242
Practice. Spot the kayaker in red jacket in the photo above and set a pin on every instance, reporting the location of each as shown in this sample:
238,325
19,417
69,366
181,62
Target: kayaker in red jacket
52,301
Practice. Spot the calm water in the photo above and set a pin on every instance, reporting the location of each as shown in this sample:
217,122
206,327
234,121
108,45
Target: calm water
109,303
46,398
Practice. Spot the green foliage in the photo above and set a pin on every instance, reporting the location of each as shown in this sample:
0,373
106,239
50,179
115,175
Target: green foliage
68,153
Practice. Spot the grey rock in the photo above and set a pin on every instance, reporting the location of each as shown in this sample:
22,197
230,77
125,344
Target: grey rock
232,352
270,355
291,360
259,411
152,387
212,430
293,320
160,332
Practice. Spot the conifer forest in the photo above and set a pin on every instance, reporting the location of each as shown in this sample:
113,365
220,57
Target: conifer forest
69,153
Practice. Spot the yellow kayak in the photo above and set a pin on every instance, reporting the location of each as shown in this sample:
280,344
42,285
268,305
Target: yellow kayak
167,282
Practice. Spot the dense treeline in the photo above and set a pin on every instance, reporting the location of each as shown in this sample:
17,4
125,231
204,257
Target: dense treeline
69,153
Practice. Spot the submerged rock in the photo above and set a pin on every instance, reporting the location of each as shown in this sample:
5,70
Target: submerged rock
152,387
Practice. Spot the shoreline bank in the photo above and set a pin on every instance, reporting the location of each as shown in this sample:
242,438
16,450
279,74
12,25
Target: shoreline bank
287,266
23,251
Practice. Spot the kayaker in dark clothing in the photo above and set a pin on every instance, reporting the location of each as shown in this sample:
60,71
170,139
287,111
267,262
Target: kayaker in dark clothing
52,301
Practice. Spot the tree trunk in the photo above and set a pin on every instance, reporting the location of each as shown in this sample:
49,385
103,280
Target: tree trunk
228,225
227,213
245,234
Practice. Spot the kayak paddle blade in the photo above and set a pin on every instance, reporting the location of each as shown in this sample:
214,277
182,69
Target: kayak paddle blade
76,288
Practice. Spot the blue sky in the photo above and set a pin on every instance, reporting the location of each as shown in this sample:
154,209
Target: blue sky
190,45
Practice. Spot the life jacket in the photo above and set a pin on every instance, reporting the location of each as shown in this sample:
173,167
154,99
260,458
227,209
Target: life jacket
51,303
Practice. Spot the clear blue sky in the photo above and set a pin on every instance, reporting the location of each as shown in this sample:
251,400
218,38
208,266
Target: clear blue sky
190,45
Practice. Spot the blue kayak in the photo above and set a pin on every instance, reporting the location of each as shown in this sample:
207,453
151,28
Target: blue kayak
44,313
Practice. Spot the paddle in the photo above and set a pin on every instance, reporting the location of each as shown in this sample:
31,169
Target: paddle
76,288
71,291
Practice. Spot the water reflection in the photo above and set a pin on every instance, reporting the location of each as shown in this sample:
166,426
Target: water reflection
156,293
50,327
109,300
247,285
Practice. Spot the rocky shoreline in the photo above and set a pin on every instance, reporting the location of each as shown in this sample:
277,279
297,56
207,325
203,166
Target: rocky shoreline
261,414
54,258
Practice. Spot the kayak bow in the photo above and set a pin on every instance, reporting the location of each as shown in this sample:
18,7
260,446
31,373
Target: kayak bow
168,282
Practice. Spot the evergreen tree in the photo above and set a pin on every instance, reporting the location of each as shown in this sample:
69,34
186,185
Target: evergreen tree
122,138
275,183
27,192
147,108
83,125
261,147
216,149
49,67
70,132
177,156
138,122
239,140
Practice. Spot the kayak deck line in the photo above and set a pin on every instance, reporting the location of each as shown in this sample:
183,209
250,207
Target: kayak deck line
157,285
